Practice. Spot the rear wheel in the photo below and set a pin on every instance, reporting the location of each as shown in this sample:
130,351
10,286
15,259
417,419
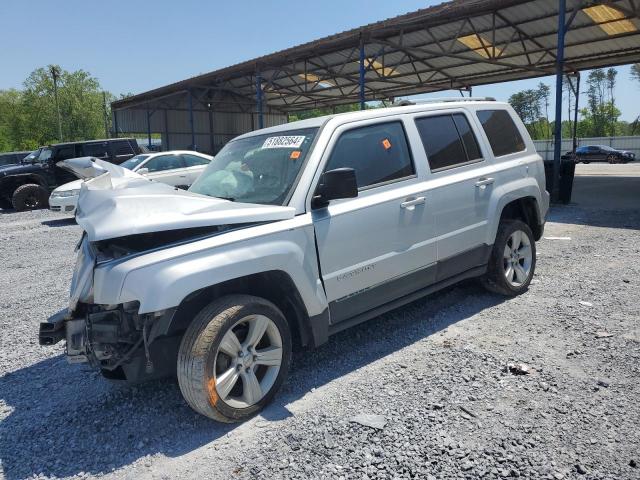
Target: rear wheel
30,197
233,357
513,259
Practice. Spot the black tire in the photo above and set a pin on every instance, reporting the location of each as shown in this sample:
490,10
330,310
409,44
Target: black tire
199,349
5,204
495,279
30,197
611,159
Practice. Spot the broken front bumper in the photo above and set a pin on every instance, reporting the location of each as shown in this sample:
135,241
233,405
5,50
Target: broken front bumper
62,326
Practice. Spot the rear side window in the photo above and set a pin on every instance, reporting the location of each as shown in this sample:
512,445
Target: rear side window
95,150
378,154
502,133
448,141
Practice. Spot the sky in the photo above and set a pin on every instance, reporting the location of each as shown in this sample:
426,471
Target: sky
136,45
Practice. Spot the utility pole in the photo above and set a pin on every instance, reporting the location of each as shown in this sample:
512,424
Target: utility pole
104,108
55,73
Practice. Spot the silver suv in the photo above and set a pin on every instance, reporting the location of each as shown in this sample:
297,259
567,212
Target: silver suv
294,233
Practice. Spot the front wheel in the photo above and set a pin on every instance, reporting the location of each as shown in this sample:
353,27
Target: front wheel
611,159
513,259
30,197
233,357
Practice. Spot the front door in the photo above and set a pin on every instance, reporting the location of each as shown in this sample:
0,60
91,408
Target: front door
62,175
167,169
379,246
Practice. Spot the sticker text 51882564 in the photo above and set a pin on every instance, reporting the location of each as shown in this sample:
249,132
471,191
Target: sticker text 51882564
285,141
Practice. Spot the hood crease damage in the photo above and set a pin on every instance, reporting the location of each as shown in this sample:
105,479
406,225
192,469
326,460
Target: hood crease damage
121,203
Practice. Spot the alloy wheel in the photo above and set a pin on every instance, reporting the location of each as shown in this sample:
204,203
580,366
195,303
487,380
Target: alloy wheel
517,258
247,361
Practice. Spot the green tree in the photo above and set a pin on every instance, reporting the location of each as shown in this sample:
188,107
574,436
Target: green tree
530,105
28,118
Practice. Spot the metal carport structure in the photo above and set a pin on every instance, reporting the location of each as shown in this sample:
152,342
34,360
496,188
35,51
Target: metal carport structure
454,45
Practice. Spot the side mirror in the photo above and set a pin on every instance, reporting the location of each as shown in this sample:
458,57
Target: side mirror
142,171
335,184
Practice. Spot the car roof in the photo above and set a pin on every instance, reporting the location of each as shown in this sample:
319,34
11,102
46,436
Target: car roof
151,155
371,113
92,141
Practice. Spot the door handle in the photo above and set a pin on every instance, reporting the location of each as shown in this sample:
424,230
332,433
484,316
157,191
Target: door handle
485,181
412,202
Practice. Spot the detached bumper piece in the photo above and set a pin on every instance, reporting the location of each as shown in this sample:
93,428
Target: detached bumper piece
53,330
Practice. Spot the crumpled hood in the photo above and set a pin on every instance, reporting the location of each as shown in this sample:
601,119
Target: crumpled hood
91,167
120,202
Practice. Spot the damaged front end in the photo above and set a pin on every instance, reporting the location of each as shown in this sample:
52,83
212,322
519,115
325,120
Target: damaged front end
116,339
124,217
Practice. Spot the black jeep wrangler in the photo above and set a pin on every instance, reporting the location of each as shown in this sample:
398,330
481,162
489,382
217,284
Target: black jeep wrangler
27,185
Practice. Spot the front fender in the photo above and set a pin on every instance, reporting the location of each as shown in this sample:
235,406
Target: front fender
162,279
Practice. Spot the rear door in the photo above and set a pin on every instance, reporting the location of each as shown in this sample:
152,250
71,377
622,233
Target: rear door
169,169
194,165
379,246
463,179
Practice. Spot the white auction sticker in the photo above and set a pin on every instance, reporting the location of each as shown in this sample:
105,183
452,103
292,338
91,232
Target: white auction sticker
292,141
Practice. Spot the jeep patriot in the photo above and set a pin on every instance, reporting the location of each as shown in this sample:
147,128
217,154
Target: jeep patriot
294,233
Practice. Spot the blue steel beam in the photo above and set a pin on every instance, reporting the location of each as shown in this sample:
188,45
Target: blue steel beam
361,79
557,151
149,128
259,99
193,133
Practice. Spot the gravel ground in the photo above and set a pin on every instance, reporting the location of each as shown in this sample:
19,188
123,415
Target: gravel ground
440,377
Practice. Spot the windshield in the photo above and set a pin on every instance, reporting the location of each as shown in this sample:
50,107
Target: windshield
45,154
257,169
607,149
133,162
32,156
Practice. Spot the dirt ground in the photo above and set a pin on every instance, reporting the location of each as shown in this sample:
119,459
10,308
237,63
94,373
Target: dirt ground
441,376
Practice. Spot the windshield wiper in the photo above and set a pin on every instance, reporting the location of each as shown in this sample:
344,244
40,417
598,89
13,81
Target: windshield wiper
231,199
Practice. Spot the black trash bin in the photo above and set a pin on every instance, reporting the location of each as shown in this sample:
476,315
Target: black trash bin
567,172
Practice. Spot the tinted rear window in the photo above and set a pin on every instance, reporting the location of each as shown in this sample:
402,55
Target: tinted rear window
448,140
501,131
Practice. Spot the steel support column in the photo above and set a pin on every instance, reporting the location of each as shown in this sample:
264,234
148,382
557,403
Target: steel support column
575,113
166,131
149,128
361,81
259,100
193,133
557,146
115,124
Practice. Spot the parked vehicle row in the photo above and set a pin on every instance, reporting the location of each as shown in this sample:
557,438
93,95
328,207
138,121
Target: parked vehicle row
293,233
176,168
28,184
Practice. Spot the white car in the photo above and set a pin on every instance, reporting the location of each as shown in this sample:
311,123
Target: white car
178,168
297,232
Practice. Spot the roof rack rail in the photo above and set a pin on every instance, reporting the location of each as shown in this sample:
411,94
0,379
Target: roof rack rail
403,103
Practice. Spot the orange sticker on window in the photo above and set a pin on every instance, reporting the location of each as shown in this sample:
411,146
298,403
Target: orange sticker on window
295,155
386,144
